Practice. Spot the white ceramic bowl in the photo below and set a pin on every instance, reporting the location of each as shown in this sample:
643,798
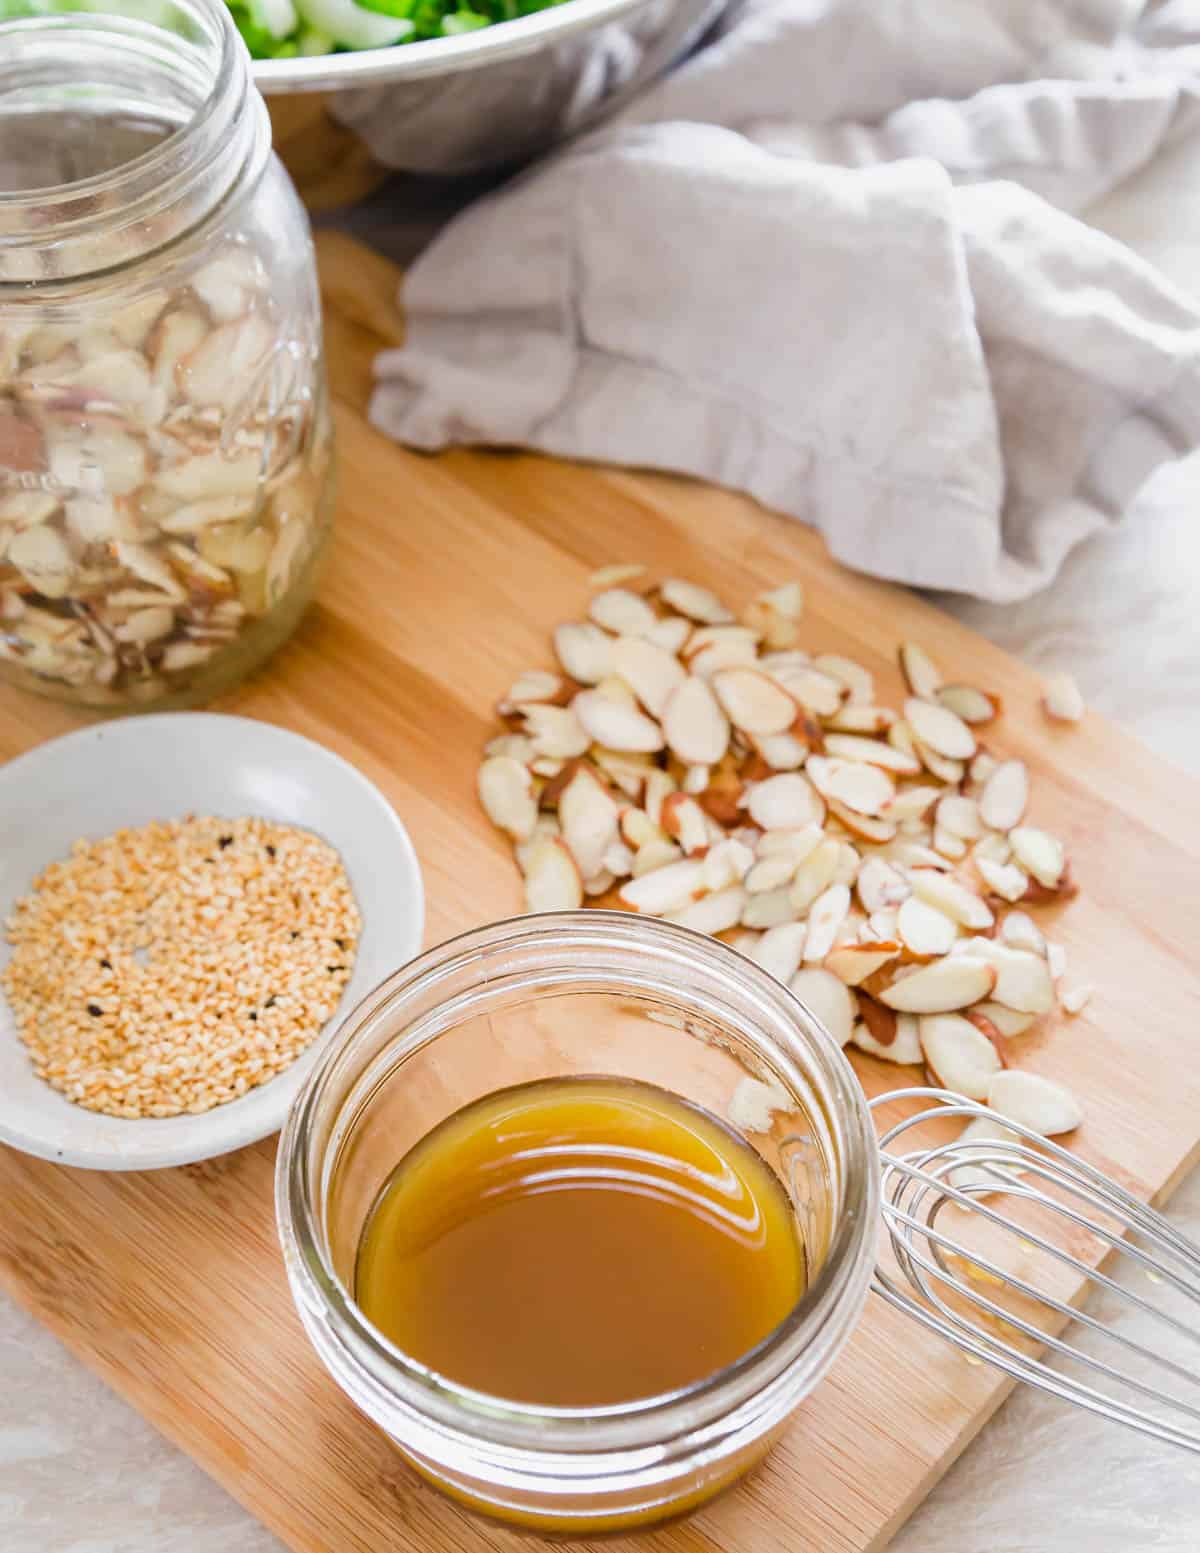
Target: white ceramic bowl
101,778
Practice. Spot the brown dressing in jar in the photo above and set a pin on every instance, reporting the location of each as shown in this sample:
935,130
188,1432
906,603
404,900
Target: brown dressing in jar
579,1242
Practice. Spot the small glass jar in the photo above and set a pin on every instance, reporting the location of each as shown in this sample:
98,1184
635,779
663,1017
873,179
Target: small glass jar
165,441
588,992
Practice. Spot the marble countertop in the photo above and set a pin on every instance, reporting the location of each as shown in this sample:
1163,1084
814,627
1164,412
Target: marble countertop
80,1472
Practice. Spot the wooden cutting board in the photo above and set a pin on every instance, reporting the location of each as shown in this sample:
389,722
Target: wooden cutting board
446,577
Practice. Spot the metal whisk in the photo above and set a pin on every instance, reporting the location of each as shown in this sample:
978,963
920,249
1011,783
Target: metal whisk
997,1243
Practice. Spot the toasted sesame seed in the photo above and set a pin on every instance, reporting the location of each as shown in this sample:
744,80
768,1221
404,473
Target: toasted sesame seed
164,970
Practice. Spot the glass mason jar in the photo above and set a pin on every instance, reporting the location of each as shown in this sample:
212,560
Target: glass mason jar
588,992
165,442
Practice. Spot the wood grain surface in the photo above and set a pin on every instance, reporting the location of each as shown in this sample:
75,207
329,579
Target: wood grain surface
446,577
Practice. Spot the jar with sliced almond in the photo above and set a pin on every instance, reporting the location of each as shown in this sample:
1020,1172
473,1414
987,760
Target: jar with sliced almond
165,442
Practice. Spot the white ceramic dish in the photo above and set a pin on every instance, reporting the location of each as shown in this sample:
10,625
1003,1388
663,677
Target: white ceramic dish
101,778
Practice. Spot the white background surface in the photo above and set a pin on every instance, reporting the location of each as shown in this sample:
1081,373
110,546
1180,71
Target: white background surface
80,1472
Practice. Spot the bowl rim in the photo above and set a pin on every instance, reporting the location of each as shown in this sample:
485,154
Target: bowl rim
436,56
262,1110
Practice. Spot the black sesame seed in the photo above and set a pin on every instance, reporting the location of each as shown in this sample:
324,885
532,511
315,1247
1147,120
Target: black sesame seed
106,964
340,942
270,850
332,968
270,1003
253,1014
295,934
224,841
95,1010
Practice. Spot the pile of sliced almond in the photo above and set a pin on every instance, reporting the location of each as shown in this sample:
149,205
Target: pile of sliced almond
879,861
161,472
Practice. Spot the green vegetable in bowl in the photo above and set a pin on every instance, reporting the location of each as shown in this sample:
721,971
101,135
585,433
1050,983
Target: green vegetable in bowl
286,29
291,29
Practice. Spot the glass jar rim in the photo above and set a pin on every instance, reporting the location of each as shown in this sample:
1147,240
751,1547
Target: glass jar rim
838,1288
69,231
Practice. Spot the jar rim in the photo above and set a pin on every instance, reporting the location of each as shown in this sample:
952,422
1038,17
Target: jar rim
823,1314
72,228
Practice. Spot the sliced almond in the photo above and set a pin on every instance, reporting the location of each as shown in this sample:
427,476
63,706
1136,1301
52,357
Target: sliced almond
625,770
552,881
615,576
769,909
713,913
994,847
651,671
920,672
985,1175
818,692
782,751
872,752
584,650
1076,999
924,930
514,744
696,779
670,633
780,949
657,853
879,885
1019,931
853,963
959,1056
1023,979
825,918
753,1104
788,600
683,819
795,844
911,853
1009,1021
975,707
941,987
619,860
727,862
770,873
904,1047
1039,854
723,655
939,729
740,641
900,737
846,872
785,802
953,898
982,767
599,884
880,927
960,816
621,612
666,889
814,875
637,828
44,559
590,822
863,788
659,787
615,725
1003,879
863,825
829,1001
1056,961
948,844
1004,796
555,731
1034,1102
753,702
695,727
856,718
912,803
697,603
1062,699
535,685
856,680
